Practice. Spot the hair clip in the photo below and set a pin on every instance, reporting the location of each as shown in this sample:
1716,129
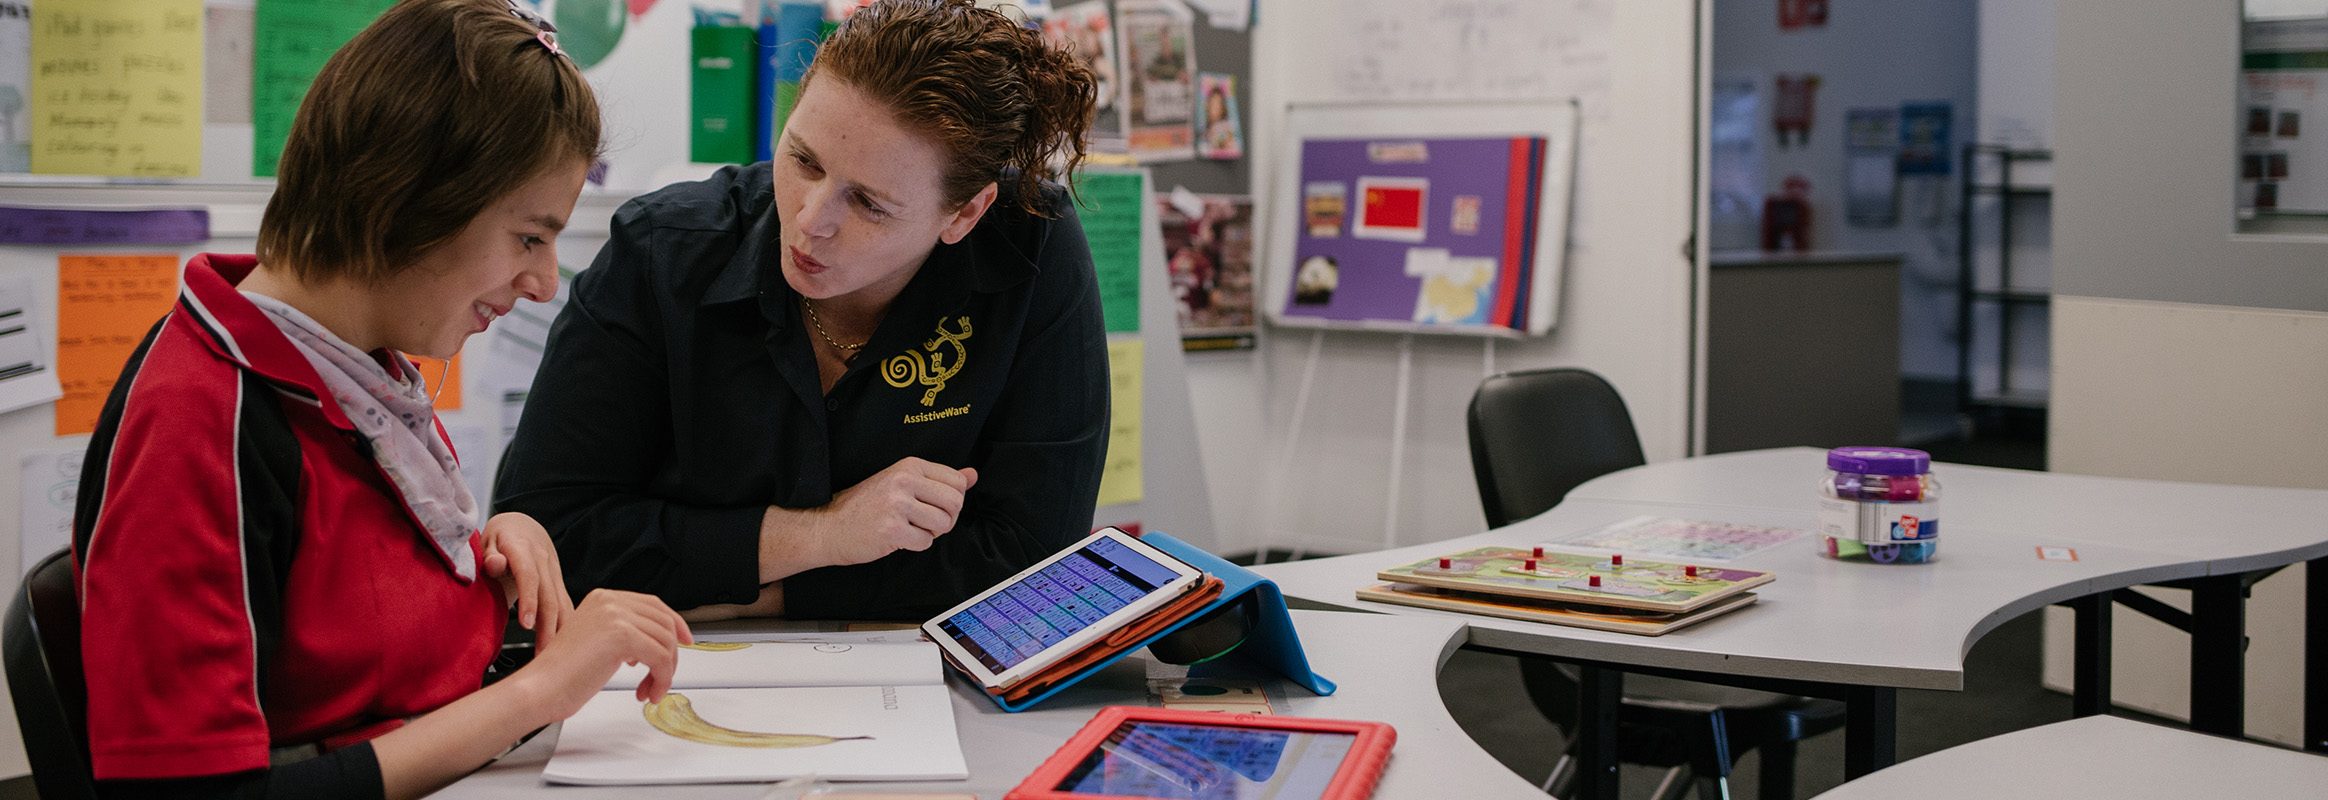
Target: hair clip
544,30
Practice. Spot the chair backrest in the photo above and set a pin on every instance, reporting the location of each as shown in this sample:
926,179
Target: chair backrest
1536,434
41,648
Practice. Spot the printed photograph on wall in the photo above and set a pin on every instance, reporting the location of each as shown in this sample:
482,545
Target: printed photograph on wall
1157,42
1208,255
1086,30
1223,136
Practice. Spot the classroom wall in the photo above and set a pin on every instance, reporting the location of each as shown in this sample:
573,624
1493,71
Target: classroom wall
1868,56
1627,307
2015,76
2182,350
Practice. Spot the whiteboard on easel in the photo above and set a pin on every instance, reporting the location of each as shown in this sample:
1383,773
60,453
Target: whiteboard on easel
1423,217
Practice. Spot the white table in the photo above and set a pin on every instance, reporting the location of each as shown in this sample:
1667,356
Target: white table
2229,535
2097,757
1858,631
1387,668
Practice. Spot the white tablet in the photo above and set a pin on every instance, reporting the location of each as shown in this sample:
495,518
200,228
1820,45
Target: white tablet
1055,607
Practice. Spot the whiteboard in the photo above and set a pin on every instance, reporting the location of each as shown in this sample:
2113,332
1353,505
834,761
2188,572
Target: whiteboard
1467,50
1555,121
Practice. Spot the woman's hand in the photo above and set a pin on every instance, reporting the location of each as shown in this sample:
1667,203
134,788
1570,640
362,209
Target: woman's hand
610,629
518,553
904,507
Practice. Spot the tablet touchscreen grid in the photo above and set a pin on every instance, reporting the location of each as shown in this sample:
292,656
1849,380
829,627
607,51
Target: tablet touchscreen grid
1054,603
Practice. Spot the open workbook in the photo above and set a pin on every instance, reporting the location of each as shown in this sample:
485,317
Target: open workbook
742,712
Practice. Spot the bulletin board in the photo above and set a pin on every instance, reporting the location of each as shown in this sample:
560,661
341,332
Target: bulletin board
1401,217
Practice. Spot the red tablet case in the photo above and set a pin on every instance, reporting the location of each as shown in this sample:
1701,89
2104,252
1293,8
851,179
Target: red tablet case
1353,780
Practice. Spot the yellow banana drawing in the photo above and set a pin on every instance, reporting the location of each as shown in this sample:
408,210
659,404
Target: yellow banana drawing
675,715
717,647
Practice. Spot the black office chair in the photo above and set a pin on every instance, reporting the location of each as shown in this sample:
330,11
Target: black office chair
41,648
1537,434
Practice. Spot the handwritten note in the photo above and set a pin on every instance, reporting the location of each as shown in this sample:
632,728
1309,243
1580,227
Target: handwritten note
1109,204
1375,50
1122,481
105,305
117,87
293,39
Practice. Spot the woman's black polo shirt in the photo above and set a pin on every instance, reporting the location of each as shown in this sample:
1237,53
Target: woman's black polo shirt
679,399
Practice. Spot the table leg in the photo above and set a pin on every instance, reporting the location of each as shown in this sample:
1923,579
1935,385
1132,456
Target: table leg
2316,655
1870,729
2218,667
1601,692
2091,673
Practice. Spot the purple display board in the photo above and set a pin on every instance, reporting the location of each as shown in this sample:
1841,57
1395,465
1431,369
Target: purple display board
1416,231
55,226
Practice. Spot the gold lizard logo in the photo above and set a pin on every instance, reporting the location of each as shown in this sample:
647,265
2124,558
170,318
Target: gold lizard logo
911,367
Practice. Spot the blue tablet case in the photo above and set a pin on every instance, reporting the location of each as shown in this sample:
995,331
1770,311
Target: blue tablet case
1272,643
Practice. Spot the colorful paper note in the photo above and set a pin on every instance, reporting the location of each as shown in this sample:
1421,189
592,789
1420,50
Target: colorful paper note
293,40
103,226
105,305
1122,481
1109,203
117,88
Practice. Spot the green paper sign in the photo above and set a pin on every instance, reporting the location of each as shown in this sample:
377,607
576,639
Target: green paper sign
290,41
1109,203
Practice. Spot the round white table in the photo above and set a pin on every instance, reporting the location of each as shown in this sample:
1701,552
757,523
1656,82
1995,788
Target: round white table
1859,631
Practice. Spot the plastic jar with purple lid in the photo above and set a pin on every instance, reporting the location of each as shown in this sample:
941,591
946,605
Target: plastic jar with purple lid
1879,504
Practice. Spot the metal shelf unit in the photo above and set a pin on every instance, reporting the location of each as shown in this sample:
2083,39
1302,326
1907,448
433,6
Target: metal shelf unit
2008,298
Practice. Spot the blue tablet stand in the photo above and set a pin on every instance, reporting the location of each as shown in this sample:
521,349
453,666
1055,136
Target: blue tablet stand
1272,642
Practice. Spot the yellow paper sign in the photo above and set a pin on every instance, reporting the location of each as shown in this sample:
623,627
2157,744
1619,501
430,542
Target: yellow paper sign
1122,481
117,88
105,305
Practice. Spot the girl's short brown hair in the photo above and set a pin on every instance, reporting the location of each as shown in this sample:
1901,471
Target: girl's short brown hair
1001,103
436,110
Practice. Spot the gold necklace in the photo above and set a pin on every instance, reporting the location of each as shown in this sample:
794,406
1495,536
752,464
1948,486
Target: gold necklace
810,307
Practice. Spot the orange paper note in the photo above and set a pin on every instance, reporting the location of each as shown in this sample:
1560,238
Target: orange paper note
437,372
105,305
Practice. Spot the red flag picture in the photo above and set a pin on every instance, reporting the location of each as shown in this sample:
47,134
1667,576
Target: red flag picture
1392,208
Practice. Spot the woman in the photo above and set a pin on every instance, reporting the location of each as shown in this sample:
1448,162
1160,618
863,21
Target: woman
863,381
283,588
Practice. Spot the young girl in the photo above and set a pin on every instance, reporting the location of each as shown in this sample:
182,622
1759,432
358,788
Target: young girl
283,589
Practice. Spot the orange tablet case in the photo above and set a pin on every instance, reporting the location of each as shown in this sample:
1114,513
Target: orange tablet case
1272,643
